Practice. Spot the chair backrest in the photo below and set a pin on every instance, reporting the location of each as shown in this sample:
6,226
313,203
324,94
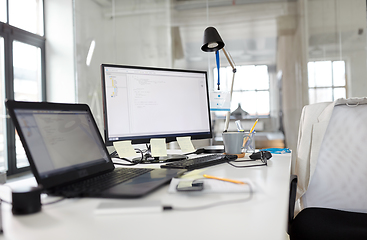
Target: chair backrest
340,177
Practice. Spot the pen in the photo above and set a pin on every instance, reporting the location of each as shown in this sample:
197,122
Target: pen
253,127
251,131
223,179
239,127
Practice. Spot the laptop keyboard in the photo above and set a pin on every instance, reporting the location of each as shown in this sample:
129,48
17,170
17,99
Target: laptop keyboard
101,182
200,162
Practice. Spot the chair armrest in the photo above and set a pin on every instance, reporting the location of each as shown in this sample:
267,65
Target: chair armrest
292,199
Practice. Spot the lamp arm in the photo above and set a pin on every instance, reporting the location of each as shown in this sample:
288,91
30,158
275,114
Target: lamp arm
230,61
228,116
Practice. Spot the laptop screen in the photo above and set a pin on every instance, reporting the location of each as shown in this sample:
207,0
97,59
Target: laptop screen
61,141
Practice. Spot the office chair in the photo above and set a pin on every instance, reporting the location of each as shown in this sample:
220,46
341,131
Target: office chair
335,202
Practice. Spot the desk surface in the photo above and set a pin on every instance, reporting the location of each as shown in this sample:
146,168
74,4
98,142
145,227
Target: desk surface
264,216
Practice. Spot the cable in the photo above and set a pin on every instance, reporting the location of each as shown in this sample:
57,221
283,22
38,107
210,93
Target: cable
264,156
165,208
56,201
49,203
255,165
2,200
113,154
198,151
131,163
126,164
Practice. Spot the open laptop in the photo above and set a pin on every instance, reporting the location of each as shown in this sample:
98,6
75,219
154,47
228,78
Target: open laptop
64,148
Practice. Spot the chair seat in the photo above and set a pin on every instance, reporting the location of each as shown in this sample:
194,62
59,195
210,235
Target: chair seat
324,223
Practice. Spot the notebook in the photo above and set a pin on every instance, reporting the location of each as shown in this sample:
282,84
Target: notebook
64,147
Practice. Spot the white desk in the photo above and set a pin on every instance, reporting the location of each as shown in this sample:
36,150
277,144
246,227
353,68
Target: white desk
263,217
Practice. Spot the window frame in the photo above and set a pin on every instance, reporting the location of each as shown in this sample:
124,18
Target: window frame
332,86
10,34
250,116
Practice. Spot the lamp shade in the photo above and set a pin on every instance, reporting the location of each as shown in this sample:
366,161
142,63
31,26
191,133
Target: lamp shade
212,40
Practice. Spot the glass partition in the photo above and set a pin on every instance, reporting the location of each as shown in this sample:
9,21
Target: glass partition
2,109
286,37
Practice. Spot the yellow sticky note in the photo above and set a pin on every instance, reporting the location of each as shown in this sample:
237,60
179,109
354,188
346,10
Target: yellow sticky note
124,149
185,144
158,147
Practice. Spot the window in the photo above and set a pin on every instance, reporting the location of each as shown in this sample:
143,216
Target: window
326,81
27,15
2,10
250,88
22,71
2,124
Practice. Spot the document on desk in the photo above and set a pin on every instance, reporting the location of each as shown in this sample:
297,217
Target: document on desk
217,186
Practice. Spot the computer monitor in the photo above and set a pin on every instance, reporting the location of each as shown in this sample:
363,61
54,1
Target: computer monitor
140,103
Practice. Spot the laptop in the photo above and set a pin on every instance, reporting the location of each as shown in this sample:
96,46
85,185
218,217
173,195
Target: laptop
65,150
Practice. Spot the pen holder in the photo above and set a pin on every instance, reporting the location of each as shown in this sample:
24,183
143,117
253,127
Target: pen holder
237,143
249,142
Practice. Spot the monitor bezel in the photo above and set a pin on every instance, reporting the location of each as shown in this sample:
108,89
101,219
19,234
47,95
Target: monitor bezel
146,139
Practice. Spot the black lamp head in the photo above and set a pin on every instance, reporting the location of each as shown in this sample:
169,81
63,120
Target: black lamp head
212,40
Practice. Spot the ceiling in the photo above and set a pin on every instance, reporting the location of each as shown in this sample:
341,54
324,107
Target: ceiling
248,27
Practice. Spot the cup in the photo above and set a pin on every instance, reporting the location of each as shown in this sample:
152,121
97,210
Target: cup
238,142
233,142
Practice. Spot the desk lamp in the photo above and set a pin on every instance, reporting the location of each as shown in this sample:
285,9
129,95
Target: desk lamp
213,43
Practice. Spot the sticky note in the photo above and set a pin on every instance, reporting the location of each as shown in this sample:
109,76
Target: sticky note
124,149
158,147
185,144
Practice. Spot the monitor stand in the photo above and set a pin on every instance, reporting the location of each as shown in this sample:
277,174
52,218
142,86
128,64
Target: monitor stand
148,158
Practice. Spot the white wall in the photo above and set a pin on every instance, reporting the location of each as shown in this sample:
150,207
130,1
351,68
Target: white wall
60,85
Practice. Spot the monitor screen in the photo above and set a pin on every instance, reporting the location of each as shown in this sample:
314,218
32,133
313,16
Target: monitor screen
141,103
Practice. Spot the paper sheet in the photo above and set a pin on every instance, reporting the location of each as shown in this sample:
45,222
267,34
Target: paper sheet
194,174
124,149
220,101
216,186
158,147
185,144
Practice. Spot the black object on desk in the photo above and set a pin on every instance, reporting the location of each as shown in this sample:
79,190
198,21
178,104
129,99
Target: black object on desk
184,186
200,162
26,200
85,159
214,149
260,154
